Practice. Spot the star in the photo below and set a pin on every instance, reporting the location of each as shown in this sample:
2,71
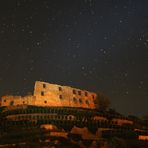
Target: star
94,45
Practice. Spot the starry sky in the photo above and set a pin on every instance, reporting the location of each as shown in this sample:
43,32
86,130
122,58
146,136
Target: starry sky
97,45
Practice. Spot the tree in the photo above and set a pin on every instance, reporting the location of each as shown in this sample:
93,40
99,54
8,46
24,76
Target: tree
102,102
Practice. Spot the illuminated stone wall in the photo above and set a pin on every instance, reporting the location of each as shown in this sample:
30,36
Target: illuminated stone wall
46,94
143,137
17,100
56,95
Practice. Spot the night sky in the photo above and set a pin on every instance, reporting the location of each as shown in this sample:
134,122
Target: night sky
97,45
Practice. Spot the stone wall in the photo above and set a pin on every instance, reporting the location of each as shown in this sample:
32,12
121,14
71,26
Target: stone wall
17,100
46,94
56,95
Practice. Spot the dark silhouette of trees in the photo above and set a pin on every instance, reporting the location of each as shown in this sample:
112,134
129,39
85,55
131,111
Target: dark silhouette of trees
102,102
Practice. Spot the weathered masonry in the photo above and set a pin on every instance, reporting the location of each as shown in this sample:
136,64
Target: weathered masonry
46,94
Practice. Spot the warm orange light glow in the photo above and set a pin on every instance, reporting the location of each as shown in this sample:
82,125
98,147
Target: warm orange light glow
141,137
